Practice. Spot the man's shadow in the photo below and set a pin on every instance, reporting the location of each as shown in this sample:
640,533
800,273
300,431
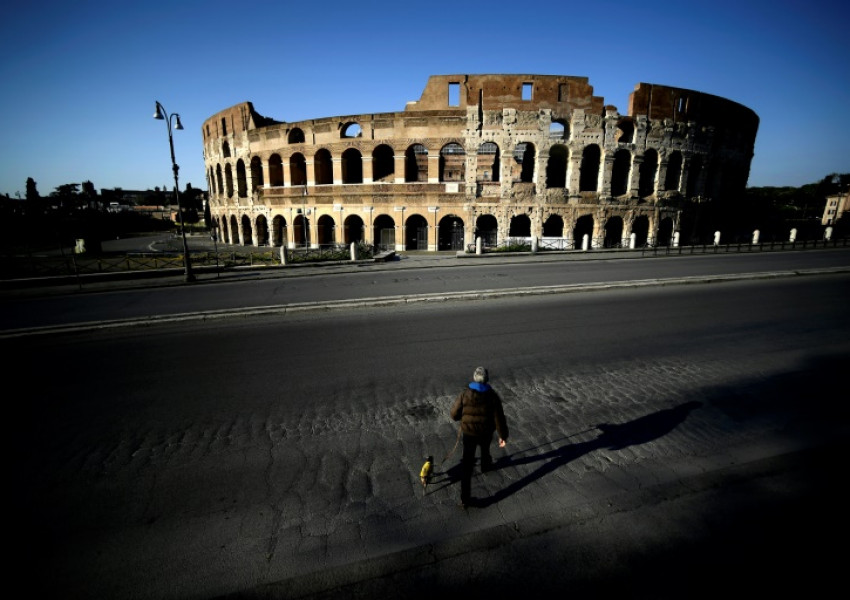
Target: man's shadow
612,437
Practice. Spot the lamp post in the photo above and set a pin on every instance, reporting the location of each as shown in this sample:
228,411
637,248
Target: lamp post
161,114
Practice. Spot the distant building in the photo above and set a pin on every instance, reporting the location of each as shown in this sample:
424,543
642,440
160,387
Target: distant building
496,157
835,208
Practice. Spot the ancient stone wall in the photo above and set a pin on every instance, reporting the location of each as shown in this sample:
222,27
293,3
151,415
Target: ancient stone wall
492,156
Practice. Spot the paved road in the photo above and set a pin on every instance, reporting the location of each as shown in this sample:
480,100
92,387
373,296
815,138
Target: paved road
670,474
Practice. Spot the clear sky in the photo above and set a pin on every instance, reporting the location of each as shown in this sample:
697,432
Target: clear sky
80,79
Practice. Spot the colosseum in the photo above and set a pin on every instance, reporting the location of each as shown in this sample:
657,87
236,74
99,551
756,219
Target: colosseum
495,157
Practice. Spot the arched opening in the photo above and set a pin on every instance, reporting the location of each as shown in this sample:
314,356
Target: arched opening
416,164
524,157
674,172
520,226
296,136
487,158
225,231
556,167
487,228
613,233
234,230
384,232
219,179
694,174
323,167
228,180
257,172
383,164
665,232
648,171
554,226
211,181
241,179
589,174
225,150
353,228
352,166
326,230
262,231
451,233
558,131
625,131
275,171
301,229
247,233
452,163
351,130
416,233
640,229
583,227
279,230
298,169
620,173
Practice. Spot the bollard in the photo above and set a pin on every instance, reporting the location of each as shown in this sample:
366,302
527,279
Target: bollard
827,234
676,239
756,237
716,238
282,254
534,245
353,251
479,246
793,237
585,242
632,241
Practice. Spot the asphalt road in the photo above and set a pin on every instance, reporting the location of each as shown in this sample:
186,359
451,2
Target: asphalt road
668,441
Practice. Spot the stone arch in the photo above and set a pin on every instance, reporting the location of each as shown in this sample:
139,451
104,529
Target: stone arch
648,172
323,170
234,230
520,226
279,230
665,232
384,232
241,179
301,229
416,164
225,150
487,162
352,166
694,174
219,179
262,228
640,229
228,180
621,172
451,233
589,173
525,155
326,230
583,226
613,232
353,228
350,130
247,232
487,228
297,169
383,163
556,166
296,136
256,172
452,162
553,226
674,172
416,233
275,170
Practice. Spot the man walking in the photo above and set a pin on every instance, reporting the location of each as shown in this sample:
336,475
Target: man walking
479,410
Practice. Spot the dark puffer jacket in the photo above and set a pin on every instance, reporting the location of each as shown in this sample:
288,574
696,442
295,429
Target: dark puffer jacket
479,410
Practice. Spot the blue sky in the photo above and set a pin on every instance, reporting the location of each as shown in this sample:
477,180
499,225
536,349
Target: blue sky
80,79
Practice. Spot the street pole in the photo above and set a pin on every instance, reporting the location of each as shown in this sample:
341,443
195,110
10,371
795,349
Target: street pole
161,114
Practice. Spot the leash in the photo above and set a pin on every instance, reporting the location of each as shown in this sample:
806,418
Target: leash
457,441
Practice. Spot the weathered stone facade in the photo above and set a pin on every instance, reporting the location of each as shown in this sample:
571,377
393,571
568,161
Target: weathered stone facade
491,156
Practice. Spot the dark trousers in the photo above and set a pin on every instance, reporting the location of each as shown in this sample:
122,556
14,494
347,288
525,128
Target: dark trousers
470,444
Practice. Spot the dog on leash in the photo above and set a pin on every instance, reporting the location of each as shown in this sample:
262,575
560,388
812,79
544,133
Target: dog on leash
426,472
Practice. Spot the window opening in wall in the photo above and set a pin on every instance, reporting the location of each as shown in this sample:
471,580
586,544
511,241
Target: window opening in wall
454,94
351,130
223,126
526,91
556,131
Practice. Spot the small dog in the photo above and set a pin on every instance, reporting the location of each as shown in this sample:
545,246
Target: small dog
426,472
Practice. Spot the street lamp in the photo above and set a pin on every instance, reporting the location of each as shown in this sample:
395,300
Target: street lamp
161,114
